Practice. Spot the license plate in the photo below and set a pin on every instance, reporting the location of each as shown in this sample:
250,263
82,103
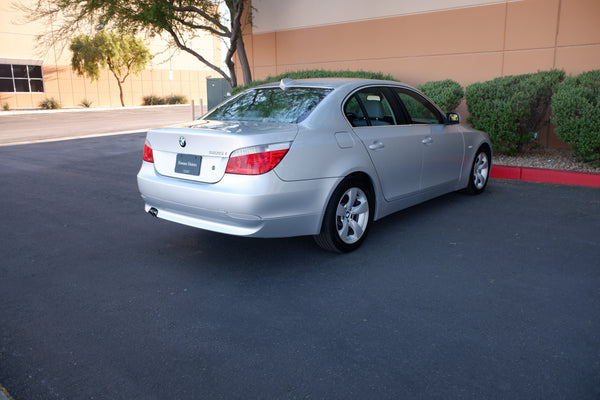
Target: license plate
188,164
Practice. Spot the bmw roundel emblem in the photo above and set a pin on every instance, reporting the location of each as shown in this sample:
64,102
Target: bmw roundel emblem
182,141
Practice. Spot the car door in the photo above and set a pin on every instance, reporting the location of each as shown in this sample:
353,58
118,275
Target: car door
395,149
443,145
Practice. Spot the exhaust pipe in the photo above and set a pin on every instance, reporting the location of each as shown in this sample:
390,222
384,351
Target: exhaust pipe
153,211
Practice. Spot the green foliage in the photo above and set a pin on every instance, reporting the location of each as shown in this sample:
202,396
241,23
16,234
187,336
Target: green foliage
85,103
176,99
50,104
511,108
122,54
447,93
316,73
154,100
180,21
576,110
6,107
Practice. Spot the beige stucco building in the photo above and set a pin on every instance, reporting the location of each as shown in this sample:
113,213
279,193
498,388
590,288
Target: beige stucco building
425,40
419,41
30,74
414,41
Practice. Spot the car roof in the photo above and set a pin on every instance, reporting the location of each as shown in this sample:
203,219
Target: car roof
333,83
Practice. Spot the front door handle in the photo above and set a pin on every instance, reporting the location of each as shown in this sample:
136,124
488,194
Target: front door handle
427,141
376,145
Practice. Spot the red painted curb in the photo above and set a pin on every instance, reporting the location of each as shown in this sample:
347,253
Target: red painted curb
545,175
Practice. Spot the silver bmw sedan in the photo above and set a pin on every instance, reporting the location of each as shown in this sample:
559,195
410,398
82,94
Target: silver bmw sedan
321,157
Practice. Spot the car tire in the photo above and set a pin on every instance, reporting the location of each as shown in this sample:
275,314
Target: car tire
480,171
347,218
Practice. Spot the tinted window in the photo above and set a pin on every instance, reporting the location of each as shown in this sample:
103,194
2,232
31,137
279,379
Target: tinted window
420,110
5,71
21,85
20,71
21,78
37,85
35,71
270,105
369,107
6,85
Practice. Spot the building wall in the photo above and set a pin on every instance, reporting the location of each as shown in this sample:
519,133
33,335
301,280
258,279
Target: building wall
416,42
168,73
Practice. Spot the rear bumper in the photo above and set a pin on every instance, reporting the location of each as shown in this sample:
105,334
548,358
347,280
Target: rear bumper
256,206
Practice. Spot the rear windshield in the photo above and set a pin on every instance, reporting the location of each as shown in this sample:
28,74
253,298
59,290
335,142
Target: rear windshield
270,105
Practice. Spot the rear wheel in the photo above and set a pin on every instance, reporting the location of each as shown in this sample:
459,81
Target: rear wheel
347,217
480,171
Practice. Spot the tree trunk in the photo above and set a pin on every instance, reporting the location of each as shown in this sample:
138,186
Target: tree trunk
244,64
121,92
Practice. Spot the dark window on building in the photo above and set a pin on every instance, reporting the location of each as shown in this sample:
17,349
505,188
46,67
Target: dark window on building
21,78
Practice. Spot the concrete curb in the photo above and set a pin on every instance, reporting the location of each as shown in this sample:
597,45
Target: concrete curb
545,175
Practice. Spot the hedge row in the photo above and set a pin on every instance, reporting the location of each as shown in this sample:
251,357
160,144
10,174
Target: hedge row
153,100
576,114
447,94
511,109
316,73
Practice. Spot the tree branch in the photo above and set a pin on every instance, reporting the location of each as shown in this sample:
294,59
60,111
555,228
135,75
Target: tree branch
183,47
211,18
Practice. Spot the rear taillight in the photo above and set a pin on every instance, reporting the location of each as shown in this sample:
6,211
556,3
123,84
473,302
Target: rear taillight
256,160
148,155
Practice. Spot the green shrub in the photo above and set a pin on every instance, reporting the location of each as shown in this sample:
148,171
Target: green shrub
50,104
85,103
512,108
153,100
316,73
6,107
447,94
176,99
576,110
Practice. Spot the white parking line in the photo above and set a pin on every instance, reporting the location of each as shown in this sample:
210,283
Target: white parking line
59,139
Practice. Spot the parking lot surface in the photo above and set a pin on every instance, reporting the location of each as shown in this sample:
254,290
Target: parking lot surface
489,297
40,126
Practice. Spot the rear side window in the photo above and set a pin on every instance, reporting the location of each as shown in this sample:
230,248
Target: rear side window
270,105
369,107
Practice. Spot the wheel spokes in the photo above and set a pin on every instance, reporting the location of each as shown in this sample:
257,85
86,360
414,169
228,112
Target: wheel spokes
352,215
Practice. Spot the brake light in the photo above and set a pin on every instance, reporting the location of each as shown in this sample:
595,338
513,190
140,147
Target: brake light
148,155
256,160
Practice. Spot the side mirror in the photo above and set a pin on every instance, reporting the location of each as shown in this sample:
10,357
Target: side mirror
453,118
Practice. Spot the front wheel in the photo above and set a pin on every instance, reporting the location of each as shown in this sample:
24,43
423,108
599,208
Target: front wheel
347,217
480,171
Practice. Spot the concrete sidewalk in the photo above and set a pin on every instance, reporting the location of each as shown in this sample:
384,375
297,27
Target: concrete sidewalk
21,127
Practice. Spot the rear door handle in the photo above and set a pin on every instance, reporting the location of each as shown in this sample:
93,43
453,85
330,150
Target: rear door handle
376,145
427,141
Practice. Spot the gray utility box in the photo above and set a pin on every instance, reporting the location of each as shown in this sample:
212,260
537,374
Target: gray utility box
217,90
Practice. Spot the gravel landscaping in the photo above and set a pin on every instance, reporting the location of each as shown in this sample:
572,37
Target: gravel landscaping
561,159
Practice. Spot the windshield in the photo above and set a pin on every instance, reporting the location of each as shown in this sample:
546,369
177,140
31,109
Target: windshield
270,105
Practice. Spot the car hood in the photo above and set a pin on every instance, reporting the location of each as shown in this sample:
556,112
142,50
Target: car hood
213,141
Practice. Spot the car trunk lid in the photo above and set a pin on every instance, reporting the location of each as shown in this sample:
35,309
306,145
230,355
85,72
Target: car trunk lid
200,150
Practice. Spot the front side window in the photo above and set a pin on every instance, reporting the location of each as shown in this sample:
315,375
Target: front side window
270,105
419,109
21,78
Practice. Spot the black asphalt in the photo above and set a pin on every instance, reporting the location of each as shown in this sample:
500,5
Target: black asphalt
495,296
